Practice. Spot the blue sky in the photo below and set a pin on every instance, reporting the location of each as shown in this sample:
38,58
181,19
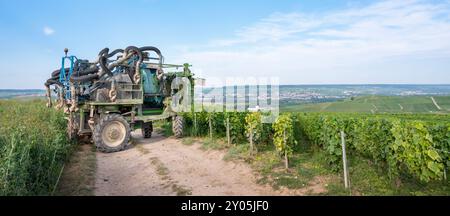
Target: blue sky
301,42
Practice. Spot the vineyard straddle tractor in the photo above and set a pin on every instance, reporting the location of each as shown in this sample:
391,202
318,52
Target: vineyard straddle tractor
120,91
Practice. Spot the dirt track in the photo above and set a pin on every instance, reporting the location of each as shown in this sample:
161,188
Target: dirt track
164,166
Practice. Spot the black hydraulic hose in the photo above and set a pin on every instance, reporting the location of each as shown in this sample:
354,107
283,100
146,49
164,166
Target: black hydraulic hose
85,72
103,57
133,48
147,48
102,60
104,67
75,67
103,51
52,82
57,72
140,55
77,63
91,73
115,52
156,50
84,78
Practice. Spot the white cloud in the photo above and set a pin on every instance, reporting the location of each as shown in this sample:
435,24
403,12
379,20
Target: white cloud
355,45
48,31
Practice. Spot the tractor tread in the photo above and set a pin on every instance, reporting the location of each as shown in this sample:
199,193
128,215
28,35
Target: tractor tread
97,134
177,126
147,129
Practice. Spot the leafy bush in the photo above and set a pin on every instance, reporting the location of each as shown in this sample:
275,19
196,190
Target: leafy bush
199,120
283,137
237,126
253,129
404,144
414,147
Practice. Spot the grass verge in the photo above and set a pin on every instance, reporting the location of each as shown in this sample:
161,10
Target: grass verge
33,147
78,178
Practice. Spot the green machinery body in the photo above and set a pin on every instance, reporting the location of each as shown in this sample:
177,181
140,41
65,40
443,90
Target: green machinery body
150,100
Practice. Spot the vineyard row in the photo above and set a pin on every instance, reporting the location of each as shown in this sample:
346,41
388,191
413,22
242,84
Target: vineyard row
417,145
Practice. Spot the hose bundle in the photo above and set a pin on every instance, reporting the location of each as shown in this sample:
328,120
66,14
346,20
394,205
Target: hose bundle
85,72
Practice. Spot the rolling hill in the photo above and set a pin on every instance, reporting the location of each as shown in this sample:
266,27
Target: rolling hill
378,104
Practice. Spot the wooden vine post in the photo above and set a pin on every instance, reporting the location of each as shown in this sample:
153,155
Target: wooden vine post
445,174
445,167
251,139
228,131
286,160
344,161
195,124
210,125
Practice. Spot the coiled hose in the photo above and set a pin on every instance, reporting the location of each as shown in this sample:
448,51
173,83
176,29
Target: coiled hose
85,71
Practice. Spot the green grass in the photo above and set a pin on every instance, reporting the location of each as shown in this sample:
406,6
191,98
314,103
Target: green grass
33,147
443,102
238,152
78,178
214,144
304,167
377,104
165,127
188,141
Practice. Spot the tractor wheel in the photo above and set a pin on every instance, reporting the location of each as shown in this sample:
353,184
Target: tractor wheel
147,129
112,133
177,126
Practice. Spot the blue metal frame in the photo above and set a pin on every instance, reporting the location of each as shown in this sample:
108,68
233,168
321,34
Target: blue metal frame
65,79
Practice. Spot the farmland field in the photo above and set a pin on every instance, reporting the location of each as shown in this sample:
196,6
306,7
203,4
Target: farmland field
444,102
15,93
377,104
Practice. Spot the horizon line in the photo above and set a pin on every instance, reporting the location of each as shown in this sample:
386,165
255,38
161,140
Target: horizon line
346,84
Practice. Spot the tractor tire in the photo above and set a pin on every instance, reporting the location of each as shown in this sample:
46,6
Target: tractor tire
112,133
177,126
147,129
